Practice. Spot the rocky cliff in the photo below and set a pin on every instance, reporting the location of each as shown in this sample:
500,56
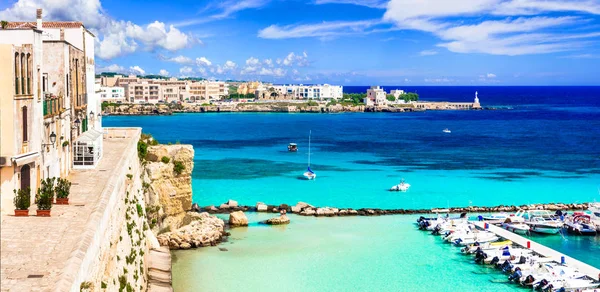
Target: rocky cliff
168,184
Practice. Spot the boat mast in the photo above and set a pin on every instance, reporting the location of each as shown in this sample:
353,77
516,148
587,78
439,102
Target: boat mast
309,134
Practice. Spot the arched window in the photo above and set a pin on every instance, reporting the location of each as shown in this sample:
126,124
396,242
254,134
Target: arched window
25,176
17,79
29,76
23,74
25,138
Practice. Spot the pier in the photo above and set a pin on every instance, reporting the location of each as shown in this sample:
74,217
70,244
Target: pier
542,250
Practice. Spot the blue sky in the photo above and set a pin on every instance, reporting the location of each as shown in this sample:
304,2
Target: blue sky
349,42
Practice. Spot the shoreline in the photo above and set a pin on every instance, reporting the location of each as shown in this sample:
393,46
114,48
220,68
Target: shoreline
304,209
169,109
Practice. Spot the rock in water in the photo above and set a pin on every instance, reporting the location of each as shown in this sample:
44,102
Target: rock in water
238,218
283,219
195,207
261,207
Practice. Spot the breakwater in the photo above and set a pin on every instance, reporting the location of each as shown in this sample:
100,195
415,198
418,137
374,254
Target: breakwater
305,209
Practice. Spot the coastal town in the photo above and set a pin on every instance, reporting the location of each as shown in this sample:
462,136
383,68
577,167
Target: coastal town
133,95
85,207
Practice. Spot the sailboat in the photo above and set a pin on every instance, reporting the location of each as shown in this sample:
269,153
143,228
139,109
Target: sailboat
309,174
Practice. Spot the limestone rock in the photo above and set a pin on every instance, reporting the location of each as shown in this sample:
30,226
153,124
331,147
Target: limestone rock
238,218
283,219
205,230
261,207
232,203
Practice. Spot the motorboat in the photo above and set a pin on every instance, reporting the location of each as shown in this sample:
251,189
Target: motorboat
447,131
540,221
293,147
309,174
580,224
493,217
516,225
594,209
485,246
401,187
473,237
499,256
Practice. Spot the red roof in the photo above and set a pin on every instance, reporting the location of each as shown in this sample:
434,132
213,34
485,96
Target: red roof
45,24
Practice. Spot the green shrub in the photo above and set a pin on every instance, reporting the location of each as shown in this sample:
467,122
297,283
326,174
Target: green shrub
129,176
142,148
178,167
103,285
63,188
22,199
165,159
85,285
65,143
122,282
140,210
45,194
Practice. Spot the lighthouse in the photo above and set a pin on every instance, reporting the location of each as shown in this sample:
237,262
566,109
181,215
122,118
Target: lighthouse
476,104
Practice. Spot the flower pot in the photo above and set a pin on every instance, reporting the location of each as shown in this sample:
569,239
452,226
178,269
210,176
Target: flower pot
43,213
62,201
21,213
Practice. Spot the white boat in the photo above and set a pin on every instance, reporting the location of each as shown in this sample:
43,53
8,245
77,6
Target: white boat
540,221
401,187
580,224
481,237
518,228
309,174
594,209
447,131
492,217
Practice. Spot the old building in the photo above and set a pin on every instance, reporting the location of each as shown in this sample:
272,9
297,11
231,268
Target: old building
375,96
21,111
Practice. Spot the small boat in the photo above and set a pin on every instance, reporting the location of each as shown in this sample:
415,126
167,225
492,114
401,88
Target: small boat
447,131
594,208
309,174
292,147
516,225
492,217
401,187
540,221
580,224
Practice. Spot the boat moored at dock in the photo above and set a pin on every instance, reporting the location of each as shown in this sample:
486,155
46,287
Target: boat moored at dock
580,224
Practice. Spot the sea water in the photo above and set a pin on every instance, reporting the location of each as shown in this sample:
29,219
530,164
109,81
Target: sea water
544,149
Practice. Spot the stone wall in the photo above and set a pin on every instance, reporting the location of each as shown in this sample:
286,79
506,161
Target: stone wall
114,253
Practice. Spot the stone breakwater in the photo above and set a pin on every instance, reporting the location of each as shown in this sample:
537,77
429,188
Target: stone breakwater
305,209
203,230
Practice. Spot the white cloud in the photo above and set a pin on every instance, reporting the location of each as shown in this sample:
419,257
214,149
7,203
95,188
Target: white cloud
324,29
137,70
367,3
229,65
222,10
113,37
179,59
252,61
163,72
292,59
437,80
186,70
268,62
491,75
202,61
532,33
111,68
428,53
201,70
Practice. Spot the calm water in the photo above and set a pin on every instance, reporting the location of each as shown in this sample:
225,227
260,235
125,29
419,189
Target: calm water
543,150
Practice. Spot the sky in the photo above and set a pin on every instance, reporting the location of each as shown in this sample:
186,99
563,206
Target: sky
345,42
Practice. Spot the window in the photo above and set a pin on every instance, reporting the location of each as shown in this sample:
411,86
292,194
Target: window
28,64
45,82
25,139
17,79
23,74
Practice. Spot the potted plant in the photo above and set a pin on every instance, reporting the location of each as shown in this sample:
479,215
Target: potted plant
44,197
22,201
62,189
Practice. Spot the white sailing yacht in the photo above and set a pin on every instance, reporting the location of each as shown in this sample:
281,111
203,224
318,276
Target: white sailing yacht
309,174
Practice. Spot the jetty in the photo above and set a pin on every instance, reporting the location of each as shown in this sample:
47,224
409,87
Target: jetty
542,250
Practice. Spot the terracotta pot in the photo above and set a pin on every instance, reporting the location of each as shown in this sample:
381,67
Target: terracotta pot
43,213
21,213
62,201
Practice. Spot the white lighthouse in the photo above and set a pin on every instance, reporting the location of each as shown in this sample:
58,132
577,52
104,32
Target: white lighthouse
476,104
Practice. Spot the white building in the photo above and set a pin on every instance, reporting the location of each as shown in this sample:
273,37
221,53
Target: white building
112,94
375,96
397,92
324,91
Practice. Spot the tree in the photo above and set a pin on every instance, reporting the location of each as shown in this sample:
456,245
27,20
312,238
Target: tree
410,96
3,24
390,97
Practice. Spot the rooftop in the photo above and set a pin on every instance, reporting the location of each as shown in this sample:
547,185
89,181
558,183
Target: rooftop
45,24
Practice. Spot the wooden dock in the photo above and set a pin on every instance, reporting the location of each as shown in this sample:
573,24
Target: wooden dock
541,249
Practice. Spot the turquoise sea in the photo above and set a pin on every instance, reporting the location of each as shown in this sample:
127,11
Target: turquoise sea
545,149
